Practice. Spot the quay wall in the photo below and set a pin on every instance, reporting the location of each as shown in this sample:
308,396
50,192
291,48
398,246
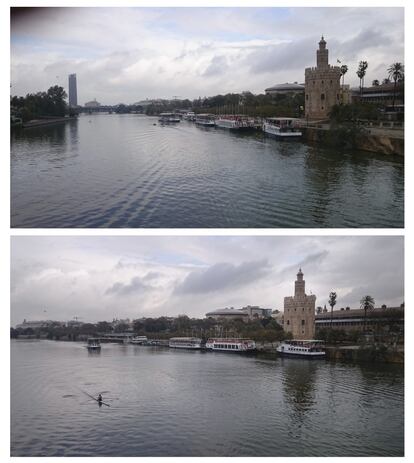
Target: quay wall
384,144
41,122
355,354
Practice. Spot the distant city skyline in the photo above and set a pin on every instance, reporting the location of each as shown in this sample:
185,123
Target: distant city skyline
124,55
101,278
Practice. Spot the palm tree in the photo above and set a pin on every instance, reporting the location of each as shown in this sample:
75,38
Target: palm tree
332,302
386,81
367,303
362,68
375,83
396,73
344,70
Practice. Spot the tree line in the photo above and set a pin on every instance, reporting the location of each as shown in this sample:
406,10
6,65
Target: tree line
263,330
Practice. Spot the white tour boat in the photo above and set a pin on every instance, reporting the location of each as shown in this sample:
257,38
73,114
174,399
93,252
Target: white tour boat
231,344
93,344
167,118
234,122
207,120
189,116
282,127
185,343
311,348
139,340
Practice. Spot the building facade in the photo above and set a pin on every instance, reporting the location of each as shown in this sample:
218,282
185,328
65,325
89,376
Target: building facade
250,312
322,85
299,312
347,319
286,88
73,91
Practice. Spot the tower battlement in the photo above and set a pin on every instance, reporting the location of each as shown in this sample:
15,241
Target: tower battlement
322,85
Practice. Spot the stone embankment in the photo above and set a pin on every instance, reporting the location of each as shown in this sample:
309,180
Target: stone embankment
48,121
377,140
372,353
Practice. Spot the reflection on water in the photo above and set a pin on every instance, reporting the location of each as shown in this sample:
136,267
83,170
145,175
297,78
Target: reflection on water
175,403
124,171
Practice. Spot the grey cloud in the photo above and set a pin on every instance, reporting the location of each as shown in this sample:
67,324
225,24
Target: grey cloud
223,275
135,286
294,55
217,66
311,259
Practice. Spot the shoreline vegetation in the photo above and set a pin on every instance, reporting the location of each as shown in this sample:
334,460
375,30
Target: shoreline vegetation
359,125
385,344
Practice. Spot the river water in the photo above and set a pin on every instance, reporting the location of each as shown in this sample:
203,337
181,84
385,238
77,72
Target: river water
179,403
129,171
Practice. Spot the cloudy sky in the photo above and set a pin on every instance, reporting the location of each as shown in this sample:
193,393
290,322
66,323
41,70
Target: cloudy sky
99,278
128,54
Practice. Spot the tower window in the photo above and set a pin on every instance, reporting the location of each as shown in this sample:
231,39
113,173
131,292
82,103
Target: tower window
303,322
331,82
322,82
322,96
288,322
307,97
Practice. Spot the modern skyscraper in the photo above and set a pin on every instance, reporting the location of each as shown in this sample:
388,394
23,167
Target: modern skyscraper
73,93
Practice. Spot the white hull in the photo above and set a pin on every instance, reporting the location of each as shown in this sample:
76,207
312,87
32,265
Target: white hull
194,347
232,124
231,346
289,350
273,130
205,123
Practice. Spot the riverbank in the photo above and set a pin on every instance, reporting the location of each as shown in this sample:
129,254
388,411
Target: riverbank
390,142
48,121
375,353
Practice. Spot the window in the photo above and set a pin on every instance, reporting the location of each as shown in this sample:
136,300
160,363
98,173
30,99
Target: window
307,97
303,322
288,322
322,96
322,82
331,82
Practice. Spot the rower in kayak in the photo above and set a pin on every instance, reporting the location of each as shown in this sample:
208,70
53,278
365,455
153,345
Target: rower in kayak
99,399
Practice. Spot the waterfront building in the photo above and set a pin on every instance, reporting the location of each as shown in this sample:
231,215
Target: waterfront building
37,324
92,104
73,92
347,319
286,88
299,311
250,312
322,85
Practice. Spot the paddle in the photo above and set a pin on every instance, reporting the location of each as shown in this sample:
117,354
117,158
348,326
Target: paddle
94,398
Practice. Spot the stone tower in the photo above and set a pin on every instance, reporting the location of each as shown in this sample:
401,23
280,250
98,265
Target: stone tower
299,311
322,85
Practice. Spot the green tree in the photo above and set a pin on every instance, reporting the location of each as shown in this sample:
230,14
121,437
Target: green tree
396,73
367,303
332,302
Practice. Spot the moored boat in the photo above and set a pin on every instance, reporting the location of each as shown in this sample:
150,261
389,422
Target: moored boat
167,118
189,116
139,340
93,344
207,120
234,122
282,127
231,345
185,343
311,349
